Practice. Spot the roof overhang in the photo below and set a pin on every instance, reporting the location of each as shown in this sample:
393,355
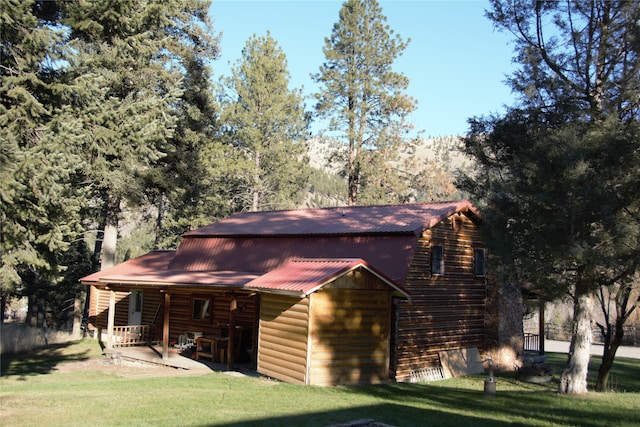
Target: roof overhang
302,277
174,279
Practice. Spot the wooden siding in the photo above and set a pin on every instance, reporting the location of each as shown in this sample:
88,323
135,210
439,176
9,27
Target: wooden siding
99,308
151,309
181,318
447,311
283,338
180,315
350,335
338,335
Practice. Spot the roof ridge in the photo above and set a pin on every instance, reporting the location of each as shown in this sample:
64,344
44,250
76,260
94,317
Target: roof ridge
326,208
326,259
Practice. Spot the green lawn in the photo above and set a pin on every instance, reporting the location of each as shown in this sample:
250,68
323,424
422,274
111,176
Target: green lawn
33,393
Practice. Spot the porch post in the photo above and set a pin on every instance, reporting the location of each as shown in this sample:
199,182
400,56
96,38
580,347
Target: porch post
233,306
541,327
111,318
165,325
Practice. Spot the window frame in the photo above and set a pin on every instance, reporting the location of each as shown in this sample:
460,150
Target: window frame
476,252
204,316
440,270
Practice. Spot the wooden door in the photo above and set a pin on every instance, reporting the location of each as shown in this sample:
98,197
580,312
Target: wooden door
135,307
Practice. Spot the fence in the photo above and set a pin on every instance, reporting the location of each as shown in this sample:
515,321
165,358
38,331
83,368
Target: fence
532,343
563,333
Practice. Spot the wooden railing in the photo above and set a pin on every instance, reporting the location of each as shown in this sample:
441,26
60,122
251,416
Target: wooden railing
130,335
532,343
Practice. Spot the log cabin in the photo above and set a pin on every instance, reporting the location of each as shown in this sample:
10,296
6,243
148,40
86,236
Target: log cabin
344,295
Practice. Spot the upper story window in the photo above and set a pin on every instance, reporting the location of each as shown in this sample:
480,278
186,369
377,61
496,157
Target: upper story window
201,308
437,260
479,262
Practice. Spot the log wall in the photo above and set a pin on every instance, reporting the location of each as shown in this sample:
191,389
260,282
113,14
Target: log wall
245,313
99,308
283,338
445,312
349,336
180,320
337,335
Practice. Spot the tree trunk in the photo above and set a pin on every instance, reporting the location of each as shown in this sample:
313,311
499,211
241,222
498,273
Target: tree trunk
608,356
159,218
613,339
614,332
574,377
3,305
354,184
77,316
255,196
110,236
109,241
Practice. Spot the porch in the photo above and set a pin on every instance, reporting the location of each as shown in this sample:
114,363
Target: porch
534,343
534,349
176,359
224,319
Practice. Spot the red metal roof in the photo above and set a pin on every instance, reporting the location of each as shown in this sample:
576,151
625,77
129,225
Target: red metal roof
410,218
149,263
301,277
153,269
391,254
238,249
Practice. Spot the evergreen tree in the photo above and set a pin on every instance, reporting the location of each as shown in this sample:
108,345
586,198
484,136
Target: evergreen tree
39,159
181,187
130,65
364,101
265,123
558,176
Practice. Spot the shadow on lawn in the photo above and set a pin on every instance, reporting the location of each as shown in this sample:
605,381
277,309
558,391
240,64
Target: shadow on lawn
42,360
387,413
622,378
425,404
536,404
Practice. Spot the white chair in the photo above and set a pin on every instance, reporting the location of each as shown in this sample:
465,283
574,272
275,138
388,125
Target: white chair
183,342
191,337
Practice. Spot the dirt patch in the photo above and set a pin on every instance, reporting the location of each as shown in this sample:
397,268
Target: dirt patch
124,368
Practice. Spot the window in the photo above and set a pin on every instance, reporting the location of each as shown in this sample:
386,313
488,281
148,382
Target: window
201,308
479,262
456,223
437,260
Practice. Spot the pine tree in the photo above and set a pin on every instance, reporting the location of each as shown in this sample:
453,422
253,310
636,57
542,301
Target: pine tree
180,188
130,65
363,99
39,158
265,123
558,176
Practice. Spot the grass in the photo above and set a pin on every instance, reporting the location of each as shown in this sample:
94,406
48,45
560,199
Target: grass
33,393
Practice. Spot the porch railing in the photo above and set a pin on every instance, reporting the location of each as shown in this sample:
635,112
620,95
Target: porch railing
130,335
532,343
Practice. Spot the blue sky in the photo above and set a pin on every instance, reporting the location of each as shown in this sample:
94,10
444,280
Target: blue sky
456,61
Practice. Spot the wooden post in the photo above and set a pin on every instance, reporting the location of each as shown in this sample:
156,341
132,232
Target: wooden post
233,308
541,327
111,318
165,326
254,333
